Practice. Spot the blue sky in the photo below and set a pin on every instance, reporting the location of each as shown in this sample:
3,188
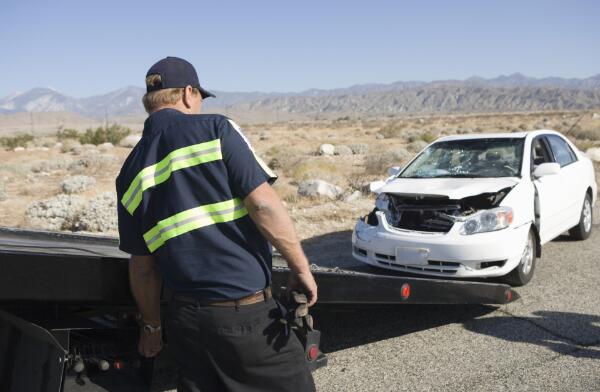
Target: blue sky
82,47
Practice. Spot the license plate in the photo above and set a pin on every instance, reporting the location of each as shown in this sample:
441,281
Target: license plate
412,256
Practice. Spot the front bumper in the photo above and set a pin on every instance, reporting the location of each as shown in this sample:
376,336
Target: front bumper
439,254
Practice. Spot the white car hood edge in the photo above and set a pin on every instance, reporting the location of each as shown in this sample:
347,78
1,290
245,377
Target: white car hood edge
453,188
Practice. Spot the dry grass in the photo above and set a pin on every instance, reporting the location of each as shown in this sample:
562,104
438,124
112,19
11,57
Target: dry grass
319,167
588,133
393,130
377,164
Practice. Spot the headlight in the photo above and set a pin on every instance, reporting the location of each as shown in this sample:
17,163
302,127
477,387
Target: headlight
488,220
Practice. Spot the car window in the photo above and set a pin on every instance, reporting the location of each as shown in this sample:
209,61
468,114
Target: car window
539,152
477,157
561,150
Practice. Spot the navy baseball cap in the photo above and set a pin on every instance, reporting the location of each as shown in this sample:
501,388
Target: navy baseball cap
176,73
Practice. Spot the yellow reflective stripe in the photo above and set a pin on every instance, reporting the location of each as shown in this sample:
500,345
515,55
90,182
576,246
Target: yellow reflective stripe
158,173
192,219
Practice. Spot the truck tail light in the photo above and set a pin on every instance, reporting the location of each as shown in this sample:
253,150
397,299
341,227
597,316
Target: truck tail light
405,291
313,352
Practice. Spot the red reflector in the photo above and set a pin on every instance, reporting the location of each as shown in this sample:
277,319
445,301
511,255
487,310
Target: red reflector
118,365
313,352
405,291
508,295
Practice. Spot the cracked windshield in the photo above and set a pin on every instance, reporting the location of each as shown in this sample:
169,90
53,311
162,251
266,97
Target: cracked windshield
469,158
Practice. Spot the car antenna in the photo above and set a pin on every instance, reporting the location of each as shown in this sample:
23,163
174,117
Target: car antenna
575,123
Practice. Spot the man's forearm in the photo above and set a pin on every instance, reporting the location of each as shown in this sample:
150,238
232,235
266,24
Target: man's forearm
273,221
146,283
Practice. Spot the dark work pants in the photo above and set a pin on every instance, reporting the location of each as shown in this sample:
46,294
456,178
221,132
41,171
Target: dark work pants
229,349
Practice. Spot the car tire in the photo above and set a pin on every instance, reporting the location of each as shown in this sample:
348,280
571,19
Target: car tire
584,228
523,272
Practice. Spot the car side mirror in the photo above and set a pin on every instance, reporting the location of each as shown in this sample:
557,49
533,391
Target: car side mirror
394,170
376,185
546,169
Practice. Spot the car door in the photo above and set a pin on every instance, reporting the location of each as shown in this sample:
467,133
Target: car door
548,191
570,176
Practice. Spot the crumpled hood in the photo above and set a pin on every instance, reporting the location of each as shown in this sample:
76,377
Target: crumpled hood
454,188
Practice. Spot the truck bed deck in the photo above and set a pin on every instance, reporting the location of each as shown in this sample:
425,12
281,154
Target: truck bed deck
73,268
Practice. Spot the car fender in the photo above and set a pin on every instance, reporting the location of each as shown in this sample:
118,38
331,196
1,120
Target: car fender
521,200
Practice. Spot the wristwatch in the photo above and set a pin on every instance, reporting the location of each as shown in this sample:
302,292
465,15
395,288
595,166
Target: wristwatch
150,329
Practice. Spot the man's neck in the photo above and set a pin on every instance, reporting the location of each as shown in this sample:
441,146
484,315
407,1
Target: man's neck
181,108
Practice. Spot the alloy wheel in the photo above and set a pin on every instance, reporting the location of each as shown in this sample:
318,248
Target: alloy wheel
587,215
528,255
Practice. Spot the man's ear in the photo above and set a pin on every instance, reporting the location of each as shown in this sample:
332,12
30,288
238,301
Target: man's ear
187,96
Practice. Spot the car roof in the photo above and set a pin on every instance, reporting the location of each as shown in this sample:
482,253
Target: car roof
515,135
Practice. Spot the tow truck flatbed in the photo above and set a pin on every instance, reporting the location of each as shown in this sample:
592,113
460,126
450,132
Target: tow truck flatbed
73,268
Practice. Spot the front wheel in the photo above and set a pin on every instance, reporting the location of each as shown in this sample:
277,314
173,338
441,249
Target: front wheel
523,272
584,228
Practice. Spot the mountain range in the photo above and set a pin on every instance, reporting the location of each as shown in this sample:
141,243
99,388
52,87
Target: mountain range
515,92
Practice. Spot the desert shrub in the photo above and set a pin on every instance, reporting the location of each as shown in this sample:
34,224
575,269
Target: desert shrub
412,137
359,182
106,134
585,133
111,134
11,142
286,192
377,164
428,137
417,145
67,133
393,130
315,168
583,145
282,158
15,169
274,151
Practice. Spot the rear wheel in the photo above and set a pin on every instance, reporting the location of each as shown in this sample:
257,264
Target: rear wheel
523,273
584,228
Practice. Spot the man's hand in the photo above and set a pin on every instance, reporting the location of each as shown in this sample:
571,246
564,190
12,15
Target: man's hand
304,283
150,343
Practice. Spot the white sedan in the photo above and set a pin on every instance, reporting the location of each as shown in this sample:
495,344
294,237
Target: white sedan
479,206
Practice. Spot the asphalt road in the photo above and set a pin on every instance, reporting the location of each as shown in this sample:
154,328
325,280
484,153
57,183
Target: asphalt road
549,340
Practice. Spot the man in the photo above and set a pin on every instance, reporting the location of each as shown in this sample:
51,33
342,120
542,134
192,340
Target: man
196,211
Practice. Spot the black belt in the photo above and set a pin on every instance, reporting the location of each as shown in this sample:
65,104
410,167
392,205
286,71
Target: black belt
259,296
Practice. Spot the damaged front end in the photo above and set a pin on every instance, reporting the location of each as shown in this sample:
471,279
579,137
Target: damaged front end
438,214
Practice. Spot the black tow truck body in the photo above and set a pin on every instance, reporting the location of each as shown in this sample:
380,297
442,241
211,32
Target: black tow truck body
68,320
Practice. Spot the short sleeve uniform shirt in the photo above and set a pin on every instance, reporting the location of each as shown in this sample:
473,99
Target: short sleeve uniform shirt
180,195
